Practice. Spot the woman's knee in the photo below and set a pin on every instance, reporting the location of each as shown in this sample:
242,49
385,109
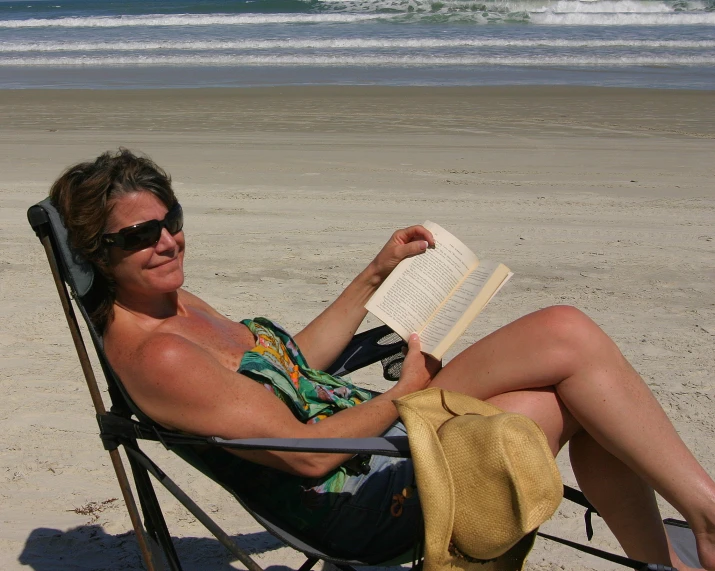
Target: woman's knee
572,335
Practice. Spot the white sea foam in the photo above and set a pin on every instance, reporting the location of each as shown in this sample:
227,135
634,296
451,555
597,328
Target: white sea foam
545,38
184,20
417,6
608,6
624,19
343,44
562,12
375,61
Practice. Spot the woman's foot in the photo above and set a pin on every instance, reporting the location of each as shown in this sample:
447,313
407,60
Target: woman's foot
705,541
679,565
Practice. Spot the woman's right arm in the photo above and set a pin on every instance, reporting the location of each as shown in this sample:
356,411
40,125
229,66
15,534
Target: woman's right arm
180,385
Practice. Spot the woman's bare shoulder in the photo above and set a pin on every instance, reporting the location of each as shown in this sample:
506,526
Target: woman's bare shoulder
182,386
155,357
167,372
192,300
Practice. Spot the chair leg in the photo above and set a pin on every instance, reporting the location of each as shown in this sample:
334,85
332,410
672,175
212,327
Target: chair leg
148,520
153,516
143,539
157,555
145,462
309,563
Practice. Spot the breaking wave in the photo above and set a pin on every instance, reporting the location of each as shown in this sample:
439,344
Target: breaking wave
544,12
381,61
346,44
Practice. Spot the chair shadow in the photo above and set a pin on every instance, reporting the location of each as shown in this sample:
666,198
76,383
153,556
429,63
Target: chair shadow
89,547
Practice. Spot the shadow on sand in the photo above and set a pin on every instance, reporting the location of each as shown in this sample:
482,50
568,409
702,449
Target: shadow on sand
90,548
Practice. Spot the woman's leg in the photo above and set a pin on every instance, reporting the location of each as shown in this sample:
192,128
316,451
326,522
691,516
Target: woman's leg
625,502
562,348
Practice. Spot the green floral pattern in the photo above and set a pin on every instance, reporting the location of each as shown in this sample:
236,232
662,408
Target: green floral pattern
278,364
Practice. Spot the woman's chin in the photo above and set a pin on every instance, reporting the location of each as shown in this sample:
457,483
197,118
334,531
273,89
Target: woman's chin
169,282
177,281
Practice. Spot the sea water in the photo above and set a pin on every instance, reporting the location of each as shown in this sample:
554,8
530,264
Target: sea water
161,43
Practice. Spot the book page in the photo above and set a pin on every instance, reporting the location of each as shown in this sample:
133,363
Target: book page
491,277
501,285
452,249
456,306
419,285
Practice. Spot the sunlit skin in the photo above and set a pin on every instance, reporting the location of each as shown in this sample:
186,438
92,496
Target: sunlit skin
149,295
158,269
178,358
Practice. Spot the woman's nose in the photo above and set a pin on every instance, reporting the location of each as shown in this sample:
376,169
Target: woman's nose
166,241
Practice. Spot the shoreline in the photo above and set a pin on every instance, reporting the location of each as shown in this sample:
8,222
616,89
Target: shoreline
107,77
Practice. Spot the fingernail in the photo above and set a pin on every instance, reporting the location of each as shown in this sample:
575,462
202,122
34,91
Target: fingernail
424,245
414,336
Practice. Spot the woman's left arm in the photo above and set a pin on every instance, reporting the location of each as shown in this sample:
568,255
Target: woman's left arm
327,335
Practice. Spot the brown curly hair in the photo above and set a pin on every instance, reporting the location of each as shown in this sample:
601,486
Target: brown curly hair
84,195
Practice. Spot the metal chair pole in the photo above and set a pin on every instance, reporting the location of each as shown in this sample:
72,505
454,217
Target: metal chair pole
98,404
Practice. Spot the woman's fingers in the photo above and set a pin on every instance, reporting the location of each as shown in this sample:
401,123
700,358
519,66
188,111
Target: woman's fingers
403,244
409,242
412,234
418,369
423,360
414,360
413,344
411,249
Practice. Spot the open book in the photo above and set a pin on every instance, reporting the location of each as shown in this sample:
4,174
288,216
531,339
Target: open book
438,293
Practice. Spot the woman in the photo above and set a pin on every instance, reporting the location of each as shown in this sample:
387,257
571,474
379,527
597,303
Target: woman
179,358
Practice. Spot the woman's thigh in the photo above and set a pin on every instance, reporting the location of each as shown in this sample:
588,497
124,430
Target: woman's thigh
545,408
536,351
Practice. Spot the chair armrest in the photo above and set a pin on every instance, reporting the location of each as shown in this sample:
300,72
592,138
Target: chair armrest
115,430
396,446
367,348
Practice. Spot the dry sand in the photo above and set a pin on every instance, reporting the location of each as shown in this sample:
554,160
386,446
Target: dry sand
600,198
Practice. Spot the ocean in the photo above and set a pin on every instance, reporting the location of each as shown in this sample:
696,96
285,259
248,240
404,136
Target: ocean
115,44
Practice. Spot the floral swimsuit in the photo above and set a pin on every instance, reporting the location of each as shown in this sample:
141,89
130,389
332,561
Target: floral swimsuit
340,509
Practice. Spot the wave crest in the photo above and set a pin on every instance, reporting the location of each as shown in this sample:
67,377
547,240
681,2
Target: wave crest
563,12
343,44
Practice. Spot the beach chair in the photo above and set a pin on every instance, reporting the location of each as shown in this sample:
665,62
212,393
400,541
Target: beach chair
125,425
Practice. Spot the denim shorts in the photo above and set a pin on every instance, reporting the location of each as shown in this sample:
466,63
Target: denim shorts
377,513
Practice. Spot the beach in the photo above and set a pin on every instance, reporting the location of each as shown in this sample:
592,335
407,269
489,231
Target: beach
601,198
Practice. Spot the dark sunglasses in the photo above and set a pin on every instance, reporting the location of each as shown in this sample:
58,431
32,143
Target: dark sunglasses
147,233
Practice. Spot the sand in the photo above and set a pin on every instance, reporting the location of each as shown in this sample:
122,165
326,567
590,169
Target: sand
599,198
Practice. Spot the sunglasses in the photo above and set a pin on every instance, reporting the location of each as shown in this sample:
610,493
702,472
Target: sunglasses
147,233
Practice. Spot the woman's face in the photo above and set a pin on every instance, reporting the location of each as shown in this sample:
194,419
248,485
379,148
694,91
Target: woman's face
153,270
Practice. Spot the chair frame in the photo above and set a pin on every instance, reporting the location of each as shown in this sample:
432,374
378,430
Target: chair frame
117,428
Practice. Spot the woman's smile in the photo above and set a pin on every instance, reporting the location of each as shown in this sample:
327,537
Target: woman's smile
157,269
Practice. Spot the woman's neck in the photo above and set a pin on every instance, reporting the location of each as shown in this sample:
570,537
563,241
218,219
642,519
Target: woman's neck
150,309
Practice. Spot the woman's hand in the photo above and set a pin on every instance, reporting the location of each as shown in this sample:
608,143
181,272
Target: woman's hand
403,244
418,369
329,333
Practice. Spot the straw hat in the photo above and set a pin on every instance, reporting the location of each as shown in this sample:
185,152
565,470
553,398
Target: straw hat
486,479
